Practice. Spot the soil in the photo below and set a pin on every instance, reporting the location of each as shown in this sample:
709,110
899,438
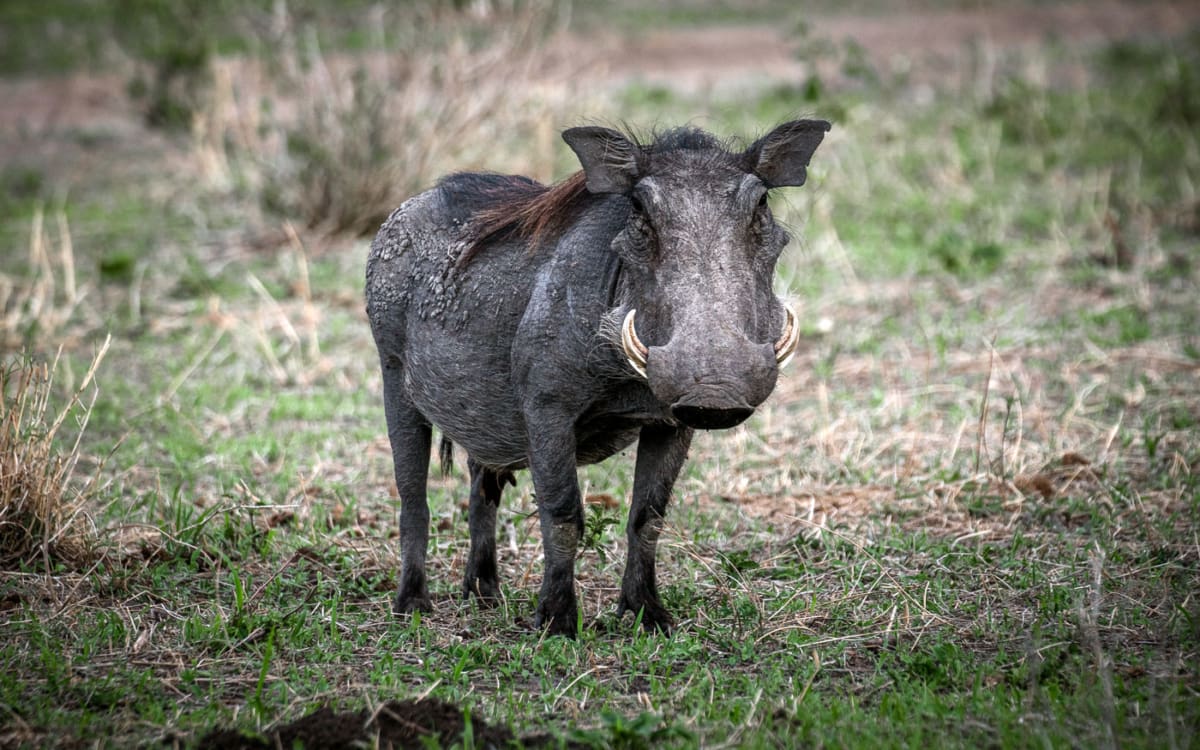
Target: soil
924,44
395,725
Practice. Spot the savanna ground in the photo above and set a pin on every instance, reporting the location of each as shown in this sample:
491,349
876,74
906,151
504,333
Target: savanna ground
968,517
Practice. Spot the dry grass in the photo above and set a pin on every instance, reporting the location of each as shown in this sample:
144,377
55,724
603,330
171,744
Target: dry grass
347,138
36,305
42,506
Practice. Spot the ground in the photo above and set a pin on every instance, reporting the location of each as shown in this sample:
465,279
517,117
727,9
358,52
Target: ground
396,724
968,515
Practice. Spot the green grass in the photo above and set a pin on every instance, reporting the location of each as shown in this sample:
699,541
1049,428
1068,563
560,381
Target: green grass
967,518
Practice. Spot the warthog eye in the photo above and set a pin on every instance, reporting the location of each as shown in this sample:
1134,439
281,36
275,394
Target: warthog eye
636,243
761,223
639,219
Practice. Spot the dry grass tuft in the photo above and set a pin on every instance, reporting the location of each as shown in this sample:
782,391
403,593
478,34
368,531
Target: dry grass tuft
41,508
346,140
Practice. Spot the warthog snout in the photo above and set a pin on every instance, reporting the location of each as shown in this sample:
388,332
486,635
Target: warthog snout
712,385
711,381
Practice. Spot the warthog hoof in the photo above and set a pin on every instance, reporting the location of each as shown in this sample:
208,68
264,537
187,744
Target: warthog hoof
486,591
655,617
557,617
411,599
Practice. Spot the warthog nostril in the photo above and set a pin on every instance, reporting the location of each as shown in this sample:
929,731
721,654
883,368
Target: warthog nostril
707,418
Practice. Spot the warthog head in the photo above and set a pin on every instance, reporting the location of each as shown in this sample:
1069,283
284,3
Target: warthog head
698,317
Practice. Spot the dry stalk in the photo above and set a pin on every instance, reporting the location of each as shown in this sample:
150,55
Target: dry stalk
981,440
42,512
41,301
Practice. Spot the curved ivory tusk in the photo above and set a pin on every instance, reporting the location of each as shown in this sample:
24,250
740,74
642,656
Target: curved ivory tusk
635,351
785,347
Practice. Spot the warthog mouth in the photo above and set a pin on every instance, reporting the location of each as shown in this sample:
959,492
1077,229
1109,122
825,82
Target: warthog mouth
637,352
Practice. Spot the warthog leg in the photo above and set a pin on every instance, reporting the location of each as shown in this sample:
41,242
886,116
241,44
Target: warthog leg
480,577
660,455
411,437
560,510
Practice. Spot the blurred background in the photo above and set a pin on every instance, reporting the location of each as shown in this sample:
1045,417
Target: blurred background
214,168
221,120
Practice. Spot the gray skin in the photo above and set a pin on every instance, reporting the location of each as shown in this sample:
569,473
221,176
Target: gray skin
516,355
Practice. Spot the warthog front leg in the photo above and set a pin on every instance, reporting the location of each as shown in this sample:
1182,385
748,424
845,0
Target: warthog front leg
560,510
480,578
410,436
661,453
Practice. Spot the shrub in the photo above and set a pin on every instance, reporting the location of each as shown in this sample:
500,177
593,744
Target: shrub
171,42
339,142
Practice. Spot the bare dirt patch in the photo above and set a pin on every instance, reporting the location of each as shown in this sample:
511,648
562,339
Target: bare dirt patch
943,32
396,724
922,43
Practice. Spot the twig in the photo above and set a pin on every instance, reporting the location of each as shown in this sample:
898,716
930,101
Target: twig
981,439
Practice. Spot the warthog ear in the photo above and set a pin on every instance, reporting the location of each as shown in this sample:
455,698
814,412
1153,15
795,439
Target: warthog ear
780,158
609,159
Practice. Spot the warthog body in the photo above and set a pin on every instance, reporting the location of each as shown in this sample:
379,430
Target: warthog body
549,327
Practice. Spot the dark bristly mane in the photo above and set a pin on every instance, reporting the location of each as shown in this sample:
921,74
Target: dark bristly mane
507,206
685,139
501,206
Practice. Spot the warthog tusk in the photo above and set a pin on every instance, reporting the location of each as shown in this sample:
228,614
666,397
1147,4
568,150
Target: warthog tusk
635,351
785,347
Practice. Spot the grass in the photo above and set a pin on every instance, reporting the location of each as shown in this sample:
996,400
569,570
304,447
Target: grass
43,516
967,518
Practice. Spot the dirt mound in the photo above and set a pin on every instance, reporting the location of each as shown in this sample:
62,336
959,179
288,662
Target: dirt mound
397,724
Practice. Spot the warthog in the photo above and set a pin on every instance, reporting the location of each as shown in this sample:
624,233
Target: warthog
550,327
